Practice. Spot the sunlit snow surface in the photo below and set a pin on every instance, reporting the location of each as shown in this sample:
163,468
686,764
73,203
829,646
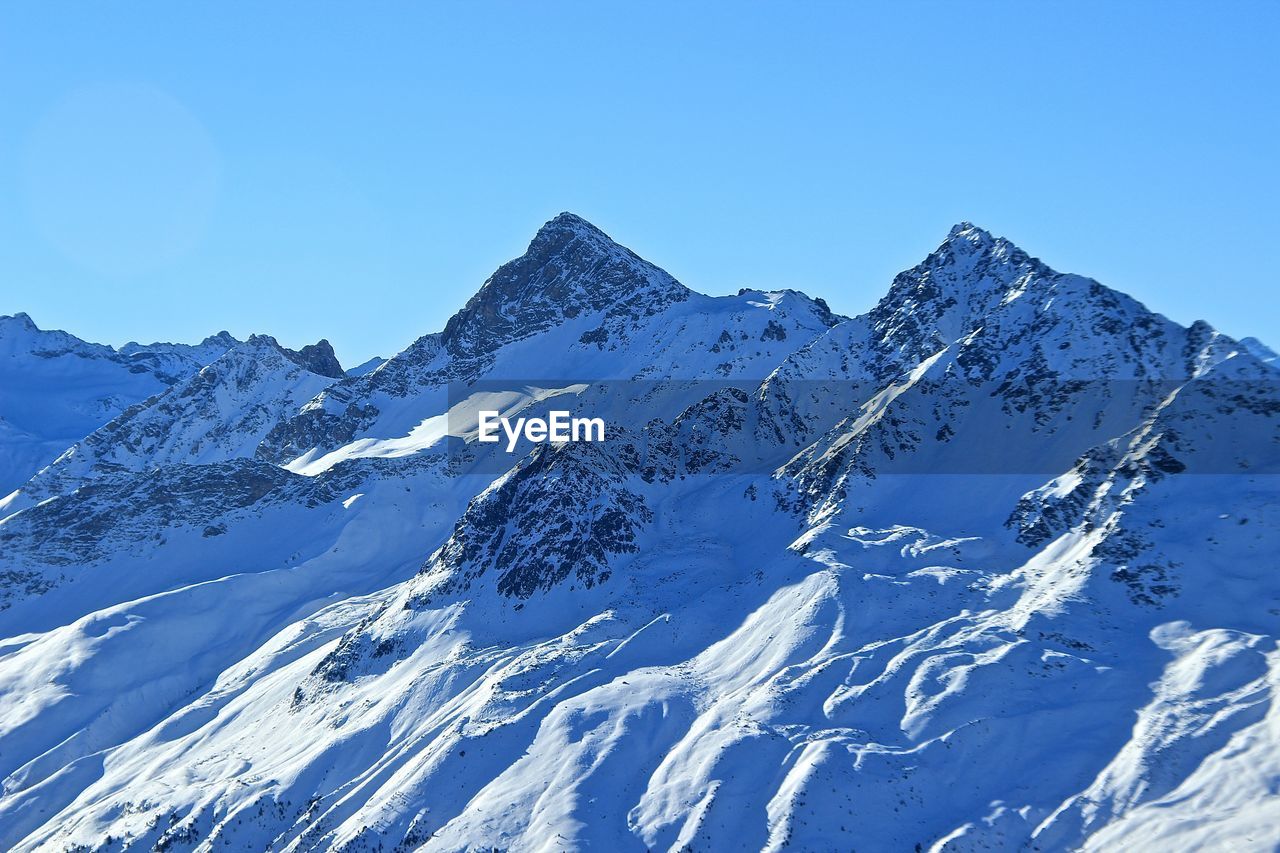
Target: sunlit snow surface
460,420
765,631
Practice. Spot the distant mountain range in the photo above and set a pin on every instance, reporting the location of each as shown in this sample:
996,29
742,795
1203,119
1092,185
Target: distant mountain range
992,566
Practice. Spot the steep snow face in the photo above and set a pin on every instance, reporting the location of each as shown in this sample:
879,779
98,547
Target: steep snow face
990,567
55,388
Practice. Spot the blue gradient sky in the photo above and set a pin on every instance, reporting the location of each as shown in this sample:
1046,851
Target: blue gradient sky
356,171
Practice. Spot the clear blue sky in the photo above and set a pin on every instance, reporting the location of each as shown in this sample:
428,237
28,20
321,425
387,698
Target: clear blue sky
355,171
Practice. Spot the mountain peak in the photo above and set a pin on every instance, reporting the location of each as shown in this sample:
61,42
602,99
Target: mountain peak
567,219
565,228
966,227
971,265
320,358
570,269
950,292
1259,350
317,358
224,337
967,237
22,319
16,324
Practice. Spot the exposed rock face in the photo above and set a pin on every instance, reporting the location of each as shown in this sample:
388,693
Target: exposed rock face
114,511
318,358
560,515
571,269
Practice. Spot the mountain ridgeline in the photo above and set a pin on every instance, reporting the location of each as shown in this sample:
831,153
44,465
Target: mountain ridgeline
991,566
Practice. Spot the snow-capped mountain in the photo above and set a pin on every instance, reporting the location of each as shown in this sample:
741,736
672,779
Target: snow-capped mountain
990,567
177,360
575,306
55,388
221,412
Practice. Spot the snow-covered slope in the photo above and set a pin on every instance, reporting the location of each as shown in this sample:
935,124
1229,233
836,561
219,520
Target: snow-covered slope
991,567
55,388
367,366
1259,350
221,412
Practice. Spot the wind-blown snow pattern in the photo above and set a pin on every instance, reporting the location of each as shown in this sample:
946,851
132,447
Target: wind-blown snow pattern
990,567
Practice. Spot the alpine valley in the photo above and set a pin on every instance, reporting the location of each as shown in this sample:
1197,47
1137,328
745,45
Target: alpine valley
994,566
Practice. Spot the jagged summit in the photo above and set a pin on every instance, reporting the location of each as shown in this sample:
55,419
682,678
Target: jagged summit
569,225
269,341
965,238
967,230
318,357
965,278
569,237
570,269
568,232
223,340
